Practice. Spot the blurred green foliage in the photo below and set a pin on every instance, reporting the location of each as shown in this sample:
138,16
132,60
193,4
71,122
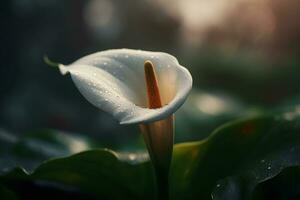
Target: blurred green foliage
237,161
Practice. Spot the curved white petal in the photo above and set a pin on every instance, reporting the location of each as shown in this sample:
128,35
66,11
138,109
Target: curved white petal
114,81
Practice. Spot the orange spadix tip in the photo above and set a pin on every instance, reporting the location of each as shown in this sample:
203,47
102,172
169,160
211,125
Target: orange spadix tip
154,100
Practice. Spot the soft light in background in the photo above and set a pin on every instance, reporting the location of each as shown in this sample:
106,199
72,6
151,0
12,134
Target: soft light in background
243,56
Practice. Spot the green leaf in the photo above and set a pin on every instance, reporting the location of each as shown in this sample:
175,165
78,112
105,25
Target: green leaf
283,186
102,173
236,157
98,172
229,164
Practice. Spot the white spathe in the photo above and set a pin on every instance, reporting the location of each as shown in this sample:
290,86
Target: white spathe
114,81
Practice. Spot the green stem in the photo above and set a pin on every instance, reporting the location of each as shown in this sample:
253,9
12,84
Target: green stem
162,183
158,137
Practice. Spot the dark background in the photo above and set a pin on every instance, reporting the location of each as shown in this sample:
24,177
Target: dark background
243,55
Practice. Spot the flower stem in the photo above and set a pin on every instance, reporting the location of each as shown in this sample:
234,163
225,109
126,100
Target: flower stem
158,136
162,181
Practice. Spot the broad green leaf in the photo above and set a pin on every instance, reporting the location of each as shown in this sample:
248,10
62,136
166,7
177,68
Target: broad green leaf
100,179
283,186
236,157
227,165
102,173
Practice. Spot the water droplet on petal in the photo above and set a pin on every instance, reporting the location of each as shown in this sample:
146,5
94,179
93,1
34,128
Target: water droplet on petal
126,56
269,167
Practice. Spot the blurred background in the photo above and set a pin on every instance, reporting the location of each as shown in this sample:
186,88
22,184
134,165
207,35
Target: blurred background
243,55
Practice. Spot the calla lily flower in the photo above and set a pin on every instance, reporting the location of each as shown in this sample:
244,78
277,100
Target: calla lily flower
113,81
137,87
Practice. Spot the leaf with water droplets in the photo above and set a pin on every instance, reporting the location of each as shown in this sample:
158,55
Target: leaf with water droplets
236,158
229,164
101,173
